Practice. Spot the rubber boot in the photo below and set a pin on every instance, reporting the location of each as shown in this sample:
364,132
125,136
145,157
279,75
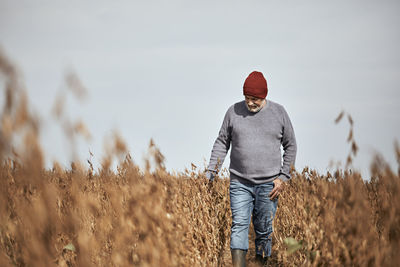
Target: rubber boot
261,261
238,257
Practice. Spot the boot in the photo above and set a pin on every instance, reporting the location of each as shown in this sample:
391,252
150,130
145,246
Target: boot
238,257
261,261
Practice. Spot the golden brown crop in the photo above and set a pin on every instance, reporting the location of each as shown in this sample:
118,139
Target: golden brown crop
83,217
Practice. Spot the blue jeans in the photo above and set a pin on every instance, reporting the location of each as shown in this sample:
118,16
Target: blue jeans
252,200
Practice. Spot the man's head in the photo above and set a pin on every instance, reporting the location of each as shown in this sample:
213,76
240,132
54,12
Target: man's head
255,90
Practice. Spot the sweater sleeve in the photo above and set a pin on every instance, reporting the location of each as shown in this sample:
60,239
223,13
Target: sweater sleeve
289,147
221,146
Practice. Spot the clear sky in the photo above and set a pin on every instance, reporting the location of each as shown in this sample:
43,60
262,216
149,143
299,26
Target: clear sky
169,70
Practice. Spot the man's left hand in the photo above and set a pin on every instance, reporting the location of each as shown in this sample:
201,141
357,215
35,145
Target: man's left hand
278,187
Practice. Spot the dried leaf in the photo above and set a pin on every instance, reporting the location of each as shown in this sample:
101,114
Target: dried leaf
350,137
354,148
339,117
75,85
350,119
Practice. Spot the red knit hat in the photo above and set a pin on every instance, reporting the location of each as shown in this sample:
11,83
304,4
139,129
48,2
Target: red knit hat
255,85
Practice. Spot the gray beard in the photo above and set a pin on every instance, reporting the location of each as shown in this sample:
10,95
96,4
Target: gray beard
254,110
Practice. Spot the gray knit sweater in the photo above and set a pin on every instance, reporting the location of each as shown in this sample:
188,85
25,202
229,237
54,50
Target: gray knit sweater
256,140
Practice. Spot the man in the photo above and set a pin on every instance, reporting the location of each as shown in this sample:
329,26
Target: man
256,128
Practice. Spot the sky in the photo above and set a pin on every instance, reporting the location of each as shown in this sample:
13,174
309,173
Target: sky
169,70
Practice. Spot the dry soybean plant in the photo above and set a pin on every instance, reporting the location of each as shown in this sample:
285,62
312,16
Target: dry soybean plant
79,216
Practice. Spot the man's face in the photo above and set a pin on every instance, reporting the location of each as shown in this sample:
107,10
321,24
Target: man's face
254,104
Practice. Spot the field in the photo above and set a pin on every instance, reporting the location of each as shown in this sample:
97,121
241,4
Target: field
80,216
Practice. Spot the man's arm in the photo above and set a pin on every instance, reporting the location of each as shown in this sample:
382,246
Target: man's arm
289,147
220,148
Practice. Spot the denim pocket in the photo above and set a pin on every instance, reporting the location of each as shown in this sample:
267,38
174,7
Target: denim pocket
234,184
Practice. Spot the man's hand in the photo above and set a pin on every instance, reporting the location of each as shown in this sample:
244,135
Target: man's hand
278,187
